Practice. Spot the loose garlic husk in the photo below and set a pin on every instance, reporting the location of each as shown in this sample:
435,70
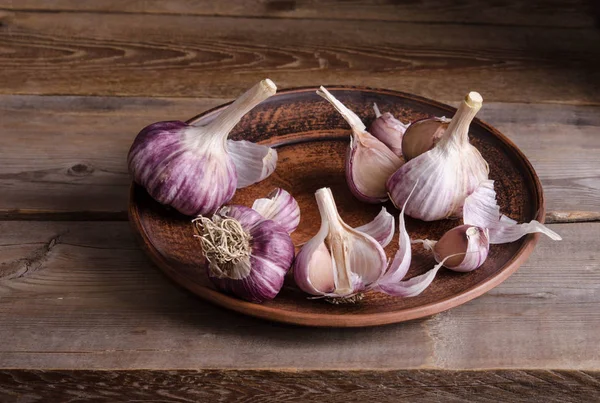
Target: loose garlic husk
448,173
422,135
463,248
481,209
195,169
369,162
389,130
339,261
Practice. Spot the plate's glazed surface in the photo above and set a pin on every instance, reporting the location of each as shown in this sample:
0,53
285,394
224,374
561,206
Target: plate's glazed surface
311,139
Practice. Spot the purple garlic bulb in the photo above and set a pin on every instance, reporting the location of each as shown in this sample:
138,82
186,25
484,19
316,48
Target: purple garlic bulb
195,169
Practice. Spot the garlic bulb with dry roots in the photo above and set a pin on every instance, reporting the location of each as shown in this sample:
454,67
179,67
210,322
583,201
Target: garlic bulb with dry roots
447,173
369,162
468,245
422,135
195,169
246,254
389,130
339,261
482,210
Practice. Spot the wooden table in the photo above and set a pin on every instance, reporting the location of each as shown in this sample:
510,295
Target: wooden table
83,313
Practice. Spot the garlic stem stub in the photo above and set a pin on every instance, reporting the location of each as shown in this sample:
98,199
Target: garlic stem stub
339,261
447,173
389,130
369,162
481,209
245,254
195,169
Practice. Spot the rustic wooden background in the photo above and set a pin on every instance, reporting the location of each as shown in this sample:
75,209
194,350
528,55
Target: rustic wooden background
84,316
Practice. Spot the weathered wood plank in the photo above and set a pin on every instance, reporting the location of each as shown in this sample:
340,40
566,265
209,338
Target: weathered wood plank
275,386
171,55
72,150
578,13
82,296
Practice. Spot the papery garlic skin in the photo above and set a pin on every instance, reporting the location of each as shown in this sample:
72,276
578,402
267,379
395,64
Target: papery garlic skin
464,248
389,130
422,135
338,261
281,207
482,210
249,256
369,162
195,169
447,174
381,228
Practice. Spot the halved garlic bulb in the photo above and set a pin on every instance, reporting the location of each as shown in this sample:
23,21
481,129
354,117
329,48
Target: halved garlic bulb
422,135
463,248
482,210
389,130
447,173
369,162
339,261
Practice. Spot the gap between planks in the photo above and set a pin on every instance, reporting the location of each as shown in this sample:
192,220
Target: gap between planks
552,217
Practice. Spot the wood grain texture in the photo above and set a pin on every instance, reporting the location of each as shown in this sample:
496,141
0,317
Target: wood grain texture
577,13
274,386
170,55
78,161
83,296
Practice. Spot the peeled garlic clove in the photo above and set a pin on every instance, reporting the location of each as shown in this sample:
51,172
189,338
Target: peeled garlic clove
246,255
194,168
381,228
338,261
369,162
389,130
281,207
447,173
422,135
468,246
481,209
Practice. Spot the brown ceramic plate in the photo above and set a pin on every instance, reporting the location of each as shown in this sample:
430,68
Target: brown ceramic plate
311,139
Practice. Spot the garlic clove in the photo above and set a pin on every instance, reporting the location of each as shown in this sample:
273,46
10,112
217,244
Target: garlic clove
253,162
482,210
422,135
369,162
246,254
381,228
355,258
281,207
389,130
468,246
447,173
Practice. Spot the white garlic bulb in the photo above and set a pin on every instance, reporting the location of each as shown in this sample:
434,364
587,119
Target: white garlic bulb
447,173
